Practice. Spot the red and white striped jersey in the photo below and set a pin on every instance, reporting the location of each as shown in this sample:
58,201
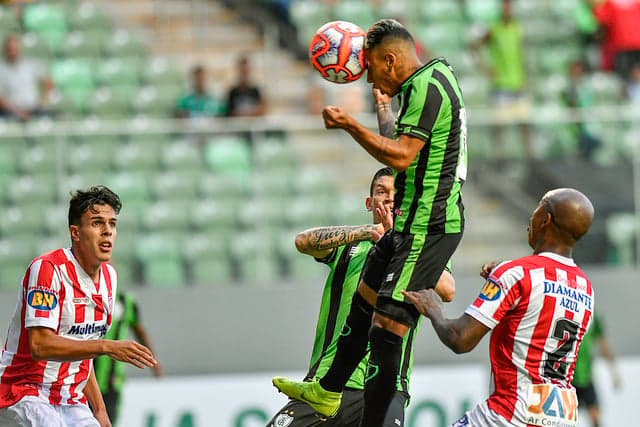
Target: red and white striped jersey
57,294
539,308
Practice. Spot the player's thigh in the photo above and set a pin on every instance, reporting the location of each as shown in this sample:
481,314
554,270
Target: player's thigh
378,258
395,413
78,416
417,263
31,411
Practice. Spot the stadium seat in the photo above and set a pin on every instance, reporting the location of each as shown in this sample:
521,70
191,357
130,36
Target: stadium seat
161,260
8,21
309,211
441,38
475,90
28,188
208,259
55,220
303,268
156,101
130,186
223,187
175,186
166,216
17,250
81,44
274,153
254,258
314,182
63,106
162,72
135,156
550,88
124,44
167,273
91,156
483,11
34,46
258,212
212,271
48,21
621,233
113,103
606,88
74,78
357,11
25,220
86,16
126,272
230,156
435,11
119,72
276,184
216,215
80,180
41,158
182,154
11,275
308,16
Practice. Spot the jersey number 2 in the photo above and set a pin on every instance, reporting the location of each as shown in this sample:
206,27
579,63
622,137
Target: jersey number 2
567,332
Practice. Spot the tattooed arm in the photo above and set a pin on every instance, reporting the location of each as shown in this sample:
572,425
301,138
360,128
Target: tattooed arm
321,241
385,114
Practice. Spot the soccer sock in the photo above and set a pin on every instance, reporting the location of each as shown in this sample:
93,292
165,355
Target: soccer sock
382,375
351,346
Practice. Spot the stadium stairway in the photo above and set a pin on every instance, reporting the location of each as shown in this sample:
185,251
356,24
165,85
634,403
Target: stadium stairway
205,32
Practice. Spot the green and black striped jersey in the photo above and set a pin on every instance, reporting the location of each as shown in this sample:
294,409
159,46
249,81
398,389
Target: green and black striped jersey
428,199
346,263
110,374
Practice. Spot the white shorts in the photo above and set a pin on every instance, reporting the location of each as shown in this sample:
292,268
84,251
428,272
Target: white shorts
482,416
32,411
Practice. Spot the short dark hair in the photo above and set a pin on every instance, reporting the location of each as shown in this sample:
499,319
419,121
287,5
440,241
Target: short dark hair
83,200
387,171
386,28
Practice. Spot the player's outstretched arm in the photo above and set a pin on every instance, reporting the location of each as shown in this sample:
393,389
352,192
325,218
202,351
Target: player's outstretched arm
321,241
461,335
397,154
96,402
45,344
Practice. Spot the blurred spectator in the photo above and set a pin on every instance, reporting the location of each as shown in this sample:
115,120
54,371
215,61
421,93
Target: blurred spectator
580,95
507,72
590,32
621,44
632,88
199,103
24,83
245,99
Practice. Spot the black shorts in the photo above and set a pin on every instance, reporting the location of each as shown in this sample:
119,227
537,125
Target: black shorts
112,402
299,414
402,261
587,396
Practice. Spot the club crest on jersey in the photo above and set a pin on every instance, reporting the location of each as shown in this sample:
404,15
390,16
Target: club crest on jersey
490,291
283,420
42,299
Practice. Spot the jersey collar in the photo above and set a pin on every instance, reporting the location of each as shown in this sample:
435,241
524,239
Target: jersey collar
561,259
419,70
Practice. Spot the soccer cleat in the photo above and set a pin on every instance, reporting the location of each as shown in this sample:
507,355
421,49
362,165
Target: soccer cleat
322,401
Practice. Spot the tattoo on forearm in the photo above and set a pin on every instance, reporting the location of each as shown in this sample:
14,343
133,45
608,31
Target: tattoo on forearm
385,120
332,237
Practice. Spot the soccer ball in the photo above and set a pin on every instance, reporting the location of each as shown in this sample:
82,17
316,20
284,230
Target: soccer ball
336,51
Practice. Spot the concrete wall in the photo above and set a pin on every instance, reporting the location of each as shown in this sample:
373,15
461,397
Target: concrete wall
271,328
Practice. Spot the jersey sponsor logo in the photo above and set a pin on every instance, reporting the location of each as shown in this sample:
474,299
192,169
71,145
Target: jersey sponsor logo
42,299
283,420
81,301
490,291
571,297
397,212
552,406
464,421
88,329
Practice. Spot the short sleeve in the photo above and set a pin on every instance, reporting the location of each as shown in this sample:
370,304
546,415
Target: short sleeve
421,112
329,259
498,295
44,296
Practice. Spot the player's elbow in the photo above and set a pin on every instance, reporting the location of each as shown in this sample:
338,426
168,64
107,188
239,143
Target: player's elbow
400,164
38,351
302,243
459,347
